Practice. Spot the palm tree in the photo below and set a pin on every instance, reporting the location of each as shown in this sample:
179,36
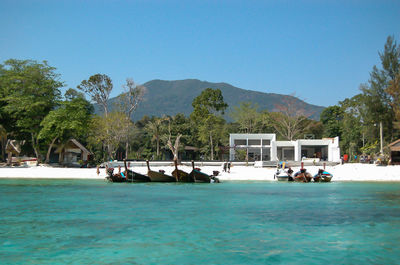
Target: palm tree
156,128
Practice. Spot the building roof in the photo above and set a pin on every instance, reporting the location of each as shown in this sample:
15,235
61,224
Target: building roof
395,146
75,142
13,147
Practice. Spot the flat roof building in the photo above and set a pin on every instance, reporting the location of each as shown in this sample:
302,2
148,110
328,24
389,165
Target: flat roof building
265,147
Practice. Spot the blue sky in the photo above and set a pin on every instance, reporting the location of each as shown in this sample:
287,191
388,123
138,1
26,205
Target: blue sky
321,50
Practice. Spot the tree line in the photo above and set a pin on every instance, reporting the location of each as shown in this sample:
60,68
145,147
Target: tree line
357,120
34,112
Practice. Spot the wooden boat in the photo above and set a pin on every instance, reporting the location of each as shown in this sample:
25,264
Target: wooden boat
200,177
158,176
180,175
282,175
302,176
322,176
119,177
133,176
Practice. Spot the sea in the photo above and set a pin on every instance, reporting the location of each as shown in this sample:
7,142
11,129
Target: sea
95,222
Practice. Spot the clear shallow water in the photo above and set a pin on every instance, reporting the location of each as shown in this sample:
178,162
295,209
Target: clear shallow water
94,222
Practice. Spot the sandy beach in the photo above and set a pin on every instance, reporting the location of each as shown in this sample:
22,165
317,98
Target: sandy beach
346,172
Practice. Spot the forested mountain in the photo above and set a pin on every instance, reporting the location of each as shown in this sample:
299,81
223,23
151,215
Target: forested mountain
172,97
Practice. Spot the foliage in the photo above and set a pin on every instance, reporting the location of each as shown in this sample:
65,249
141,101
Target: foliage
289,121
67,121
30,90
98,87
130,99
351,124
207,108
371,148
331,119
109,131
377,101
156,128
394,91
246,115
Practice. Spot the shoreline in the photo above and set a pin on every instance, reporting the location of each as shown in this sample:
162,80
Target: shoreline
346,172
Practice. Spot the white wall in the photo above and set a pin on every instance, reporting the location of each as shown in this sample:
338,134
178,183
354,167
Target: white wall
331,143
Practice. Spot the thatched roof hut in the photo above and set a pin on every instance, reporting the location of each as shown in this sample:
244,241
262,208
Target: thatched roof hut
395,152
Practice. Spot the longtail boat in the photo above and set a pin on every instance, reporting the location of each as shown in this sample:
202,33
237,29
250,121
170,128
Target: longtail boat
282,175
323,176
158,176
180,175
119,177
302,176
201,177
133,176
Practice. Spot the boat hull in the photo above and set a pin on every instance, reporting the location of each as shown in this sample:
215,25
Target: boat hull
116,178
199,177
325,177
160,177
182,176
137,177
284,178
303,177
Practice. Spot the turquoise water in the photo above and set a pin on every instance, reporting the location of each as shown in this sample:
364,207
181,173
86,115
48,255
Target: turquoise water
94,222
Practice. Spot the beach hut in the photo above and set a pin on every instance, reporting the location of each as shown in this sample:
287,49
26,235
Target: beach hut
72,152
12,148
395,152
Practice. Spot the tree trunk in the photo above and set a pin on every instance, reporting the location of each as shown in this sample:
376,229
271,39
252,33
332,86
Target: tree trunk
61,156
35,146
212,147
126,147
49,150
9,159
158,147
3,149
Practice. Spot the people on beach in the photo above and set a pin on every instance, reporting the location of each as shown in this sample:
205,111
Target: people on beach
229,167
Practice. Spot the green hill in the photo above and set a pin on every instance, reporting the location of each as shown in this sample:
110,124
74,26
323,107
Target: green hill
172,97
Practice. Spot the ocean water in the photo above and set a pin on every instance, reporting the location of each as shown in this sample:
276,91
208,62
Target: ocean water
94,222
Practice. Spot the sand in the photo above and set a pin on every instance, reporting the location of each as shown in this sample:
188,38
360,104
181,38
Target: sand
346,172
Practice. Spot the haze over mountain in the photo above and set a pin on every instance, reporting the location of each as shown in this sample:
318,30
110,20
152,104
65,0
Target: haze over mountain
172,97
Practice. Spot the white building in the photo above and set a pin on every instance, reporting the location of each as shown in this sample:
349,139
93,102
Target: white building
264,147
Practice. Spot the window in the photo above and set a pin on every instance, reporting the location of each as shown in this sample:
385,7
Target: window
254,142
240,142
266,142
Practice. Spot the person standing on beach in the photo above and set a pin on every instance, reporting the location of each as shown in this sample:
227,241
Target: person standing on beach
229,167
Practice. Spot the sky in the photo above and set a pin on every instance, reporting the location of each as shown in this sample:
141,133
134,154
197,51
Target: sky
320,50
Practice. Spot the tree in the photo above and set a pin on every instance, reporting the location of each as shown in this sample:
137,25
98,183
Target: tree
155,128
30,91
69,120
109,131
174,148
98,87
376,99
246,116
207,108
289,120
352,124
3,141
394,91
331,117
130,99
211,130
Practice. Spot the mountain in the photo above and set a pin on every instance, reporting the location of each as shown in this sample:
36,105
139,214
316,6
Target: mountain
172,97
